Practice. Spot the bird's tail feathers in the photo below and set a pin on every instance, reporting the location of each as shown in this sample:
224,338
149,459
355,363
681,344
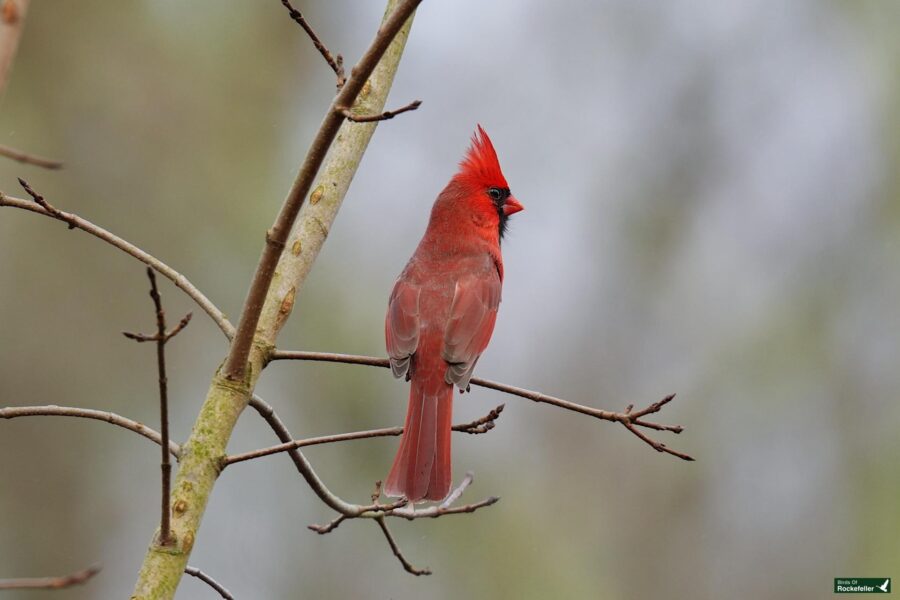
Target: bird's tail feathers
421,469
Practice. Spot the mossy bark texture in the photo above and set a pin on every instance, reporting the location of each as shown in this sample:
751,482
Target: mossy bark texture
199,467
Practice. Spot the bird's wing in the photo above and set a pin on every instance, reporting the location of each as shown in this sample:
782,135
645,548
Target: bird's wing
401,326
472,316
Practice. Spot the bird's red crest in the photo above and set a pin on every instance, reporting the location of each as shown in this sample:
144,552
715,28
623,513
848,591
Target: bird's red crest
480,164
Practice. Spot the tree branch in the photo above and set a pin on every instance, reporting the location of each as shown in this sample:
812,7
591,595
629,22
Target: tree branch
13,412
409,512
29,159
49,583
630,420
407,566
162,336
276,237
336,62
195,572
388,114
159,266
303,466
481,425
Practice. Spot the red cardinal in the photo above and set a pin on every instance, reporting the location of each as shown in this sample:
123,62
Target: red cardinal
441,315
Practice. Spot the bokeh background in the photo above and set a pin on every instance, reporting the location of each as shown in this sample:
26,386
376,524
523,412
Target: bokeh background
712,209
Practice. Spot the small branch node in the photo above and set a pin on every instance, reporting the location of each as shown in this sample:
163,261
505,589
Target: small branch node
632,420
328,527
482,425
50,209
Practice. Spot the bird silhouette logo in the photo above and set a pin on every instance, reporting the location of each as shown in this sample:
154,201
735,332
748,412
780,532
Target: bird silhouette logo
886,586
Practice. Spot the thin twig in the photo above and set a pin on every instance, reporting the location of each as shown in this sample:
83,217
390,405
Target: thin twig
143,337
388,114
336,62
39,200
329,526
159,266
29,159
276,237
407,566
325,439
481,425
162,336
195,572
630,420
49,583
14,412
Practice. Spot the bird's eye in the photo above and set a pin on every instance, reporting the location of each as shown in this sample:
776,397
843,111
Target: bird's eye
496,194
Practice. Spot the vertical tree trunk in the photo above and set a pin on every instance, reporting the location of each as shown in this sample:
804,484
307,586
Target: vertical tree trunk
199,466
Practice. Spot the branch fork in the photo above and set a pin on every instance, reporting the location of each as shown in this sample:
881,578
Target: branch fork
402,508
161,337
51,210
388,114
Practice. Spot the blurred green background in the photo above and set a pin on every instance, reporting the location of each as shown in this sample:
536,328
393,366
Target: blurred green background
712,209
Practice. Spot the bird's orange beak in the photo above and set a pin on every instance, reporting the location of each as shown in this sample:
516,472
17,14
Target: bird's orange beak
512,206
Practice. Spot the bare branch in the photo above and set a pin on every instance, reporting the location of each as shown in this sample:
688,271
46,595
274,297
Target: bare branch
328,527
325,439
49,583
303,466
388,114
195,572
159,266
13,412
276,237
336,62
29,159
44,204
482,425
409,512
162,336
629,420
178,328
407,566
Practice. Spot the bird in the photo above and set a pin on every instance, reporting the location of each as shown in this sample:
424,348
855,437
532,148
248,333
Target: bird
884,586
441,314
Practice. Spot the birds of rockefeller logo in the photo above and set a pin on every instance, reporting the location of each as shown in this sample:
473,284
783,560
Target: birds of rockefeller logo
862,585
